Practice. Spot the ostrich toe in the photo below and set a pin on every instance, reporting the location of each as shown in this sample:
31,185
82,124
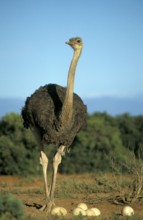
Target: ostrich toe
47,207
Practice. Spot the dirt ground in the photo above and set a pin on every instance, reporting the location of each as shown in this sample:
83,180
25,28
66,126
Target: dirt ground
68,194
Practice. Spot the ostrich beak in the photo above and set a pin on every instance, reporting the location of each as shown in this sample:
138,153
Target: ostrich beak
68,42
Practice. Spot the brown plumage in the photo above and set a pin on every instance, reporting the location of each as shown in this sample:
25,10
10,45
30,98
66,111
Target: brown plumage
43,110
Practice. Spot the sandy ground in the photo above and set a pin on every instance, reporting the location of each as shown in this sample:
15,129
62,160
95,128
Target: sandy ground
30,191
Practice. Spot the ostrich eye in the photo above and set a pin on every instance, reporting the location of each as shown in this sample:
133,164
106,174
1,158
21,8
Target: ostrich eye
78,41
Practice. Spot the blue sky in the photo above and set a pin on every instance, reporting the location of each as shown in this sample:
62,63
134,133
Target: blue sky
33,50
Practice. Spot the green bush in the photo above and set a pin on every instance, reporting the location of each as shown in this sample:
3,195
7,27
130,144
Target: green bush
104,138
11,208
95,147
18,149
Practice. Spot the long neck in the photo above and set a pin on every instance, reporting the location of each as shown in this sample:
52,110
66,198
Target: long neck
67,109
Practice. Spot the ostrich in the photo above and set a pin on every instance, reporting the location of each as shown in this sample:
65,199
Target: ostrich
55,115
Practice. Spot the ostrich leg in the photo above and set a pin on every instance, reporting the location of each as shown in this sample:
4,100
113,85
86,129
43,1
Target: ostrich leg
56,161
44,163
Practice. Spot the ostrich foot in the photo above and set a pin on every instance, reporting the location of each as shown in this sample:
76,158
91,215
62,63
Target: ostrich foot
48,207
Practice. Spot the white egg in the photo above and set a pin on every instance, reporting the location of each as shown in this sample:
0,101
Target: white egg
90,212
96,211
59,211
79,211
127,211
82,206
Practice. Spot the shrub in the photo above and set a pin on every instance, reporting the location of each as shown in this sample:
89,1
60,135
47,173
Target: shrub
11,208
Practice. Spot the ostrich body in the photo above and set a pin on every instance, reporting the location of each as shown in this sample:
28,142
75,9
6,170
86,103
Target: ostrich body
55,115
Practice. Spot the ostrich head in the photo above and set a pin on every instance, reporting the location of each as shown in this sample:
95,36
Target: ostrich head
75,43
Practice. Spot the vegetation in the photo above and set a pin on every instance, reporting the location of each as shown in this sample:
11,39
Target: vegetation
105,144
104,140
11,208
